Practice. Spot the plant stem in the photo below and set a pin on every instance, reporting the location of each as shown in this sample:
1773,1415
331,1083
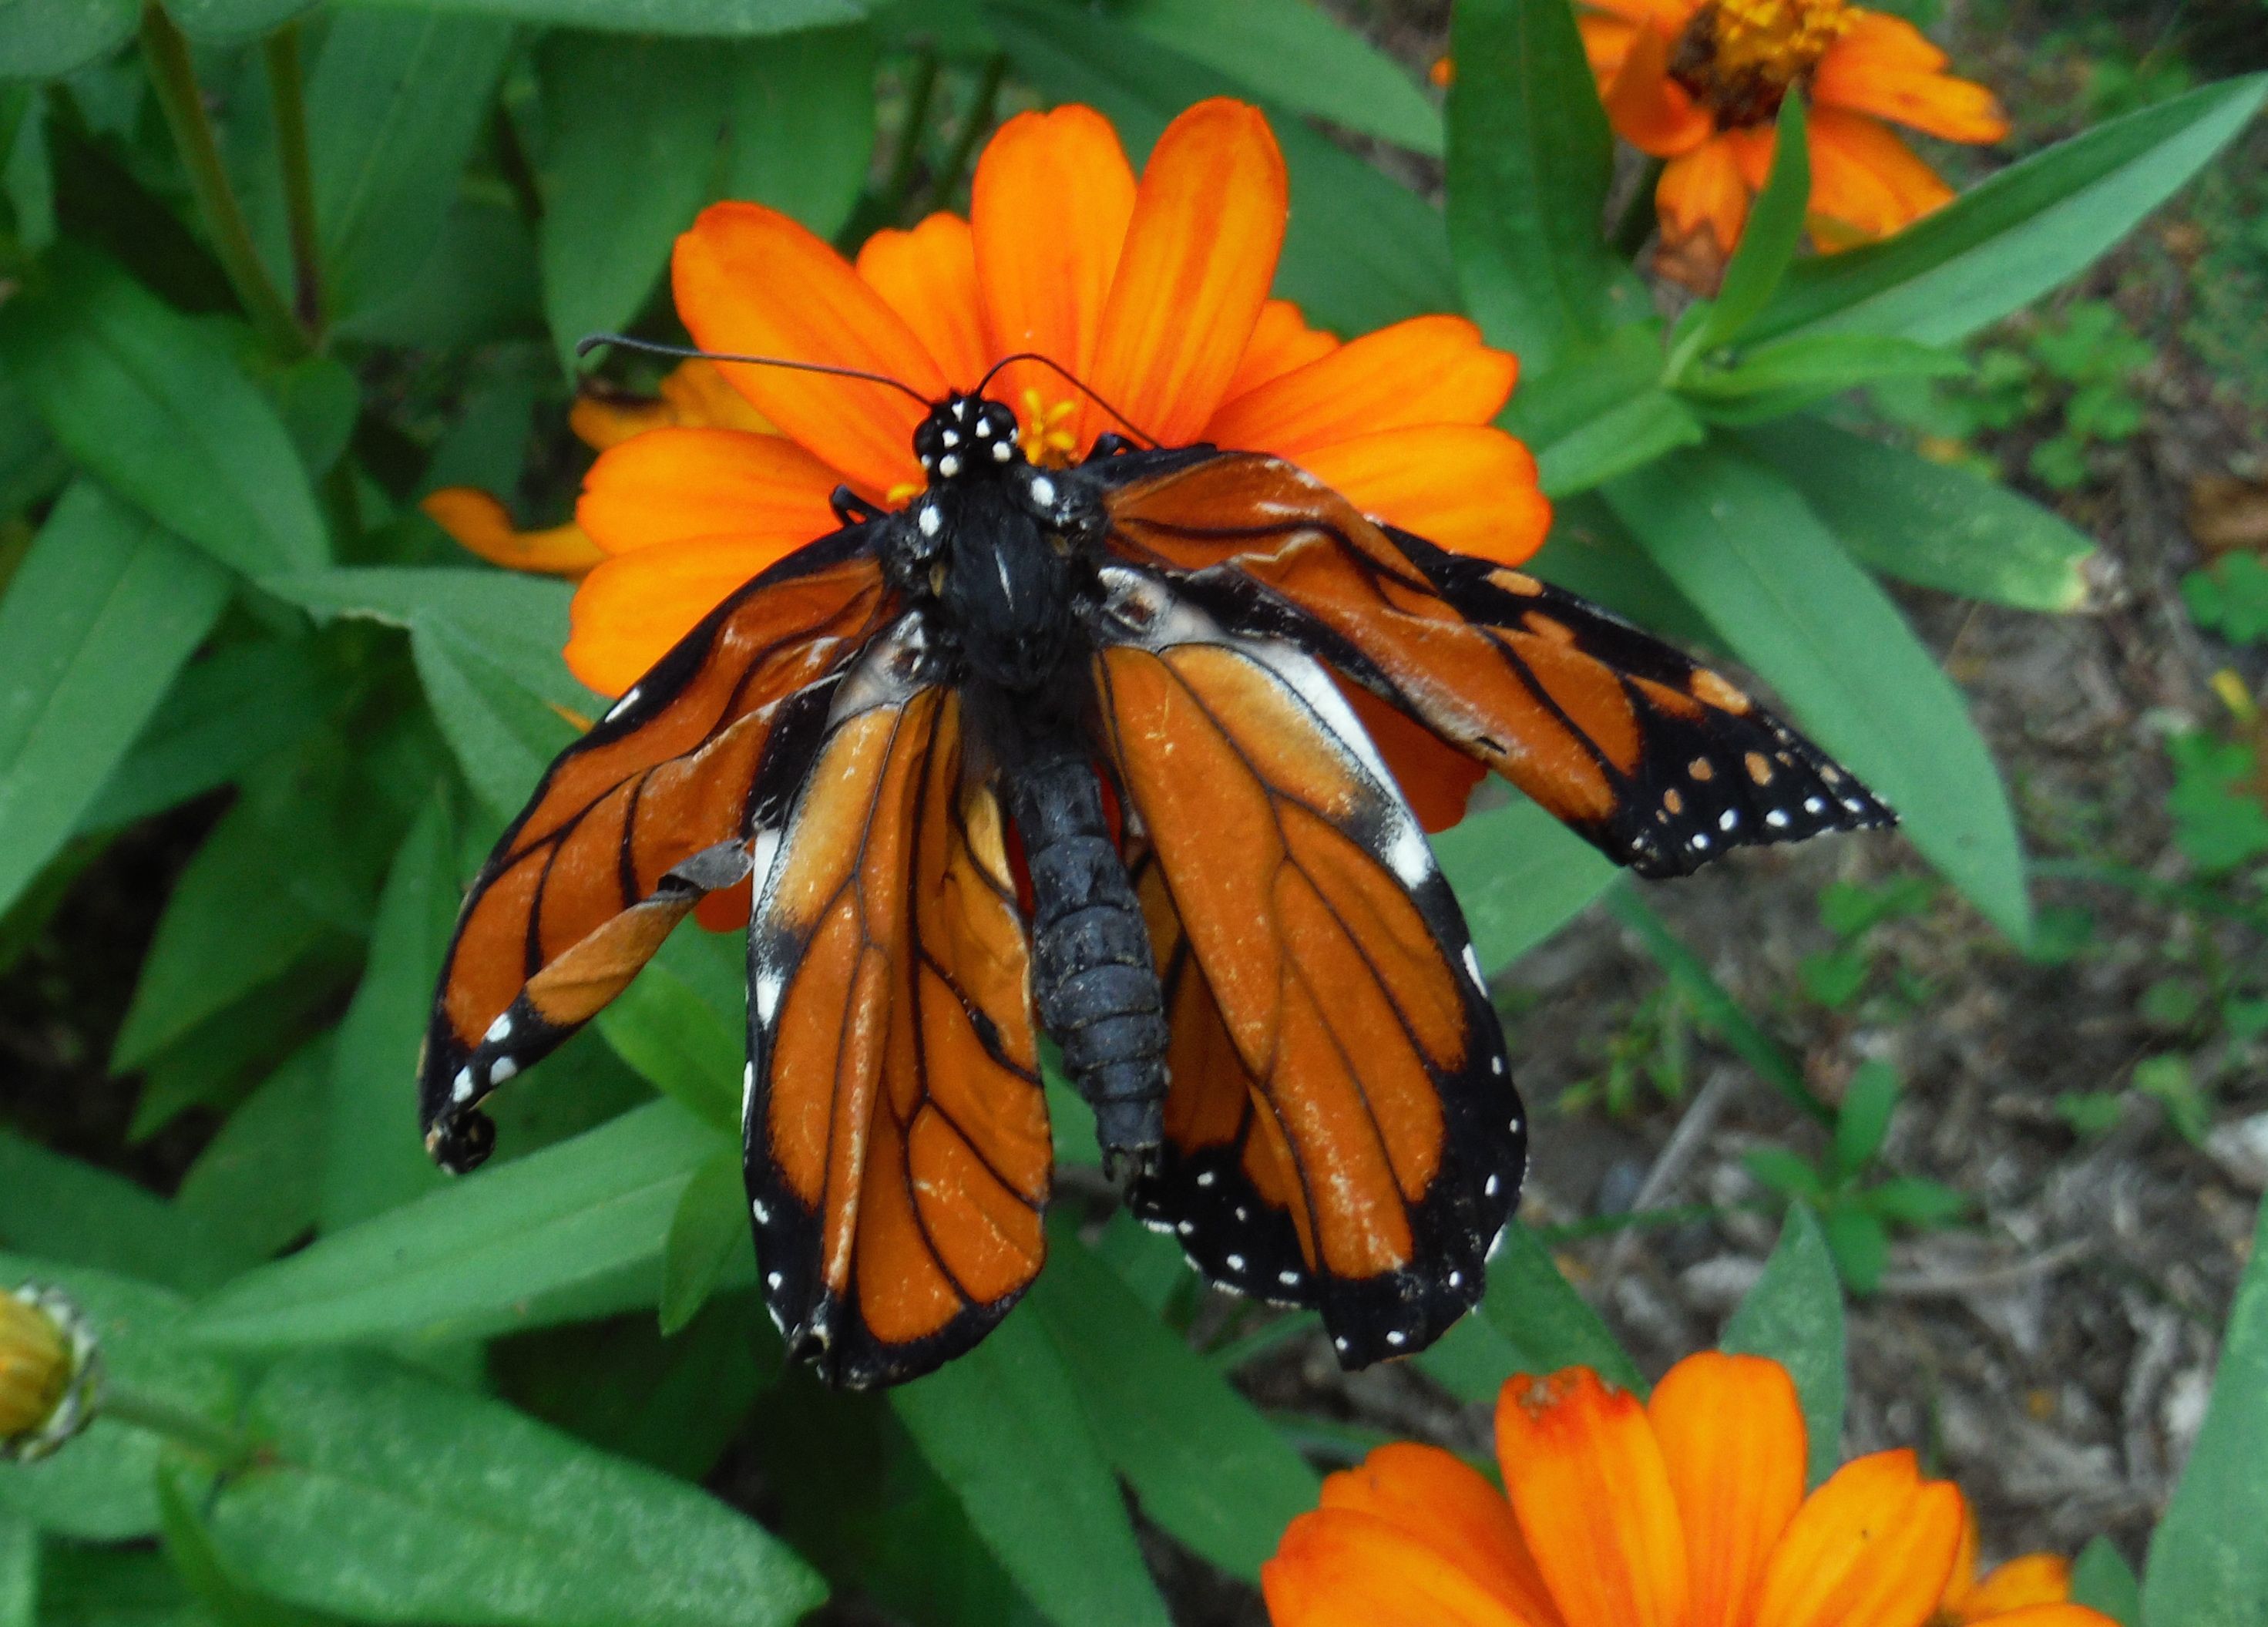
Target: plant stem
174,78
973,126
287,93
228,1448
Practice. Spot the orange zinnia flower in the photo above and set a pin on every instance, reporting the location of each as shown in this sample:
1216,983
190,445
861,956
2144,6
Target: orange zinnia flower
1153,293
1700,82
1685,1511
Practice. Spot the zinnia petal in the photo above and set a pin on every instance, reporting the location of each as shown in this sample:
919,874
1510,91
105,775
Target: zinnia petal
1436,780
1339,1568
1201,250
1863,176
1883,66
630,611
694,395
1651,110
1467,488
482,525
1442,1501
1871,1548
928,277
1593,1496
1732,1434
749,279
2030,1580
1704,192
680,485
1428,369
1050,204
1281,340
1606,41
2051,1615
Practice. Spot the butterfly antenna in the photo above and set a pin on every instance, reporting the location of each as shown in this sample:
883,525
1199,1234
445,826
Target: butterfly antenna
1076,383
623,342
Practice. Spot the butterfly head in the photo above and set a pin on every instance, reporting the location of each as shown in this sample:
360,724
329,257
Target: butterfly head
965,438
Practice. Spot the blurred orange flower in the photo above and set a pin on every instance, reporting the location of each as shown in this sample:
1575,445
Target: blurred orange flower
1699,83
1687,1509
1153,293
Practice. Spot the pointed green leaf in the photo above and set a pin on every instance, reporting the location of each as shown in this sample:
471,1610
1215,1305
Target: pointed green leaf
2208,1567
710,1227
1928,523
384,1495
2025,230
1794,1316
2102,1580
1767,242
1742,545
258,1184
572,1231
395,104
634,130
1004,1427
1530,159
1296,54
97,620
800,113
1221,1481
372,1158
155,406
1531,1321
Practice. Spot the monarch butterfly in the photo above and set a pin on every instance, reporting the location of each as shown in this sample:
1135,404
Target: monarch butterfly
1095,752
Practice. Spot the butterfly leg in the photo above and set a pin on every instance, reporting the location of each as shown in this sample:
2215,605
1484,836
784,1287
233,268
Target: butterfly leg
1093,980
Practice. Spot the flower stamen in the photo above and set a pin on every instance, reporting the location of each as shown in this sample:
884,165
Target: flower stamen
1738,58
1047,436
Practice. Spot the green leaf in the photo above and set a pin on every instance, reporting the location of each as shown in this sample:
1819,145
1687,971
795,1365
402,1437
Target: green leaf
1774,380
1006,1428
98,618
1293,53
682,1024
227,929
2024,231
1931,524
2207,1566
487,645
699,17
571,1231
709,1226
225,713
479,284
1915,1201
1767,242
2102,1580
1220,1480
634,126
254,1189
102,1490
43,38
800,114
394,105
55,1206
1519,875
154,405
20,1572
228,21
1531,1321
188,1548
1863,1119
1794,1316
1600,412
1784,1172
384,1495
1361,250
82,1586
373,1160
1860,1245
1744,547
1530,159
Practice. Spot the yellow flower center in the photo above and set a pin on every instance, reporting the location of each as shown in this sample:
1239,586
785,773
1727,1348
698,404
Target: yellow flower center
35,1368
1046,435
1739,57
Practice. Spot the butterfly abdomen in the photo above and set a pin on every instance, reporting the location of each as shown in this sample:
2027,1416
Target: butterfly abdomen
1095,983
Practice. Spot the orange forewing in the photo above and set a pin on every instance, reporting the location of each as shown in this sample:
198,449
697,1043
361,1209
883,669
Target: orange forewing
627,831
